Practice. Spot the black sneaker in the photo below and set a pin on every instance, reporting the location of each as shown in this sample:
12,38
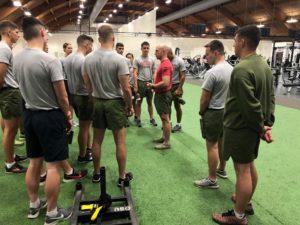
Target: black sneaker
153,122
87,158
19,158
43,180
96,177
34,212
176,128
62,214
138,123
120,181
76,175
16,168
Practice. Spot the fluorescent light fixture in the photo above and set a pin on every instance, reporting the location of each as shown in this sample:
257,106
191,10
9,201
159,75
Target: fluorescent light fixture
292,20
17,3
168,1
83,0
260,25
81,6
120,5
80,12
27,13
218,32
110,15
79,17
156,8
115,11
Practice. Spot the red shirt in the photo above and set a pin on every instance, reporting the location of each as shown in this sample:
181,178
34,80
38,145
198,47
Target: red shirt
165,69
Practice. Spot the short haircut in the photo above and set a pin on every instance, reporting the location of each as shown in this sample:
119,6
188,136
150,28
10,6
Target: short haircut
31,28
6,24
251,33
129,54
145,43
82,38
65,45
105,32
216,45
119,44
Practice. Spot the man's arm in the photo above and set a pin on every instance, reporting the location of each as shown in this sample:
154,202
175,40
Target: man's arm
164,83
135,78
62,98
204,101
3,71
87,83
127,95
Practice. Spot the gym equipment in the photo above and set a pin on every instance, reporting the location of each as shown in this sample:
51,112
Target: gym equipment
106,210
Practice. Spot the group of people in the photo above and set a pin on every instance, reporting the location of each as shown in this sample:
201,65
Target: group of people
104,89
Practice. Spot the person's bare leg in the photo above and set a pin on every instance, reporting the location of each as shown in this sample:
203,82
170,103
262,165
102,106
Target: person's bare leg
2,124
120,141
178,111
83,135
9,135
243,186
166,128
150,107
90,139
32,178
222,164
134,106
139,109
254,177
96,153
212,159
52,184
67,168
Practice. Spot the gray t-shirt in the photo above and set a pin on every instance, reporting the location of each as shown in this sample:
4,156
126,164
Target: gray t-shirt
178,66
6,57
145,67
73,66
131,75
217,81
104,68
35,72
62,63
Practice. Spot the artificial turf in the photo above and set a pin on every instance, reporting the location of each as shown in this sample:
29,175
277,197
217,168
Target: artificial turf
163,188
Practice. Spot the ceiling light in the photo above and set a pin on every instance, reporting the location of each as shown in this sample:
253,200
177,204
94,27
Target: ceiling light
120,5
81,6
218,32
80,12
27,13
110,15
168,1
83,0
260,25
203,35
156,8
115,11
17,3
79,16
292,20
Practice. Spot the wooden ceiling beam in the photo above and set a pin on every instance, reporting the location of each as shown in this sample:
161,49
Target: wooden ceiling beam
9,9
226,13
58,14
62,19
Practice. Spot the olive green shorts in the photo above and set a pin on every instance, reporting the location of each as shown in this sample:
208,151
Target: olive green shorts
163,102
83,107
143,90
212,124
240,144
10,103
109,113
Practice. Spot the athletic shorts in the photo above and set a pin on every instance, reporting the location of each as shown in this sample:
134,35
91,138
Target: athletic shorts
174,88
163,103
212,124
10,103
240,144
143,90
109,113
83,107
46,136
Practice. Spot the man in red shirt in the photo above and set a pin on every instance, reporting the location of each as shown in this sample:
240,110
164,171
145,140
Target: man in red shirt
163,98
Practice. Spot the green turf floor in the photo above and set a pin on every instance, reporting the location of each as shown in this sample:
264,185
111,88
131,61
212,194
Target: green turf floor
163,181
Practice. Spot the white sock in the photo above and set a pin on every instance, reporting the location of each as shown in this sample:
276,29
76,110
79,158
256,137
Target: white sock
70,172
52,213
35,204
9,165
43,174
238,215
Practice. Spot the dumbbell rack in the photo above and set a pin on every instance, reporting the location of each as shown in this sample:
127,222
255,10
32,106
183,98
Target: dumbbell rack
117,210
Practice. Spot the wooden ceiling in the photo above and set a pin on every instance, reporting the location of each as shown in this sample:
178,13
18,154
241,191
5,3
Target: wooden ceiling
58,13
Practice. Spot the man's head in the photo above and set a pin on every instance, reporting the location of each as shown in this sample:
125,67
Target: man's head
34,29
246,39
85,43
106,35
145,47
170,55
130,56
214,51
9,30
120,48
161,52
67,47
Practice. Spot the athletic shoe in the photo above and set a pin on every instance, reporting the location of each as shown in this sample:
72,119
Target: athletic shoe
159,140
75,176
162,146
34,212
206,183
87,158
62,214
138,123
249,209
153,122
222,174
176,128
229,218
16,168
19,158
19,143
120,181
43,180
96,178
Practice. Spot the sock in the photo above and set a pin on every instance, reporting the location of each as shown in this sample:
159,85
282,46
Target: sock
52,213
35,204
43,174
238,215
69,173
9,165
